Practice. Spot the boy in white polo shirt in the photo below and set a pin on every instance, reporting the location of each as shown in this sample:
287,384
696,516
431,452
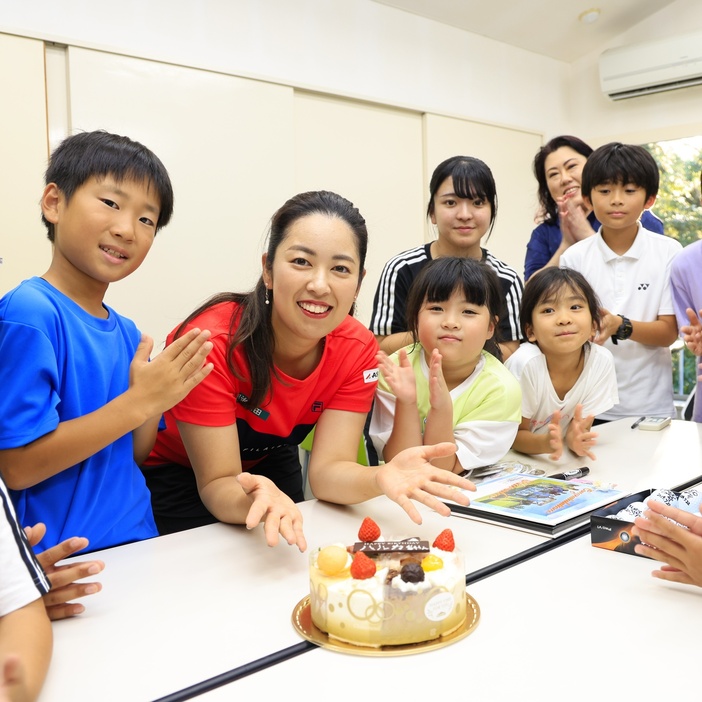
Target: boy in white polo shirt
629,268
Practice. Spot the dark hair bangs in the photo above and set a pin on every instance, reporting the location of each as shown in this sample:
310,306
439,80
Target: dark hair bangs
549,283
470,285
132,164
100,154
472,185
621,164
440,278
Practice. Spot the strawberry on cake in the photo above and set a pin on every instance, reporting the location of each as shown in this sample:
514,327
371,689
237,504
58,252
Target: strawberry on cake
388,592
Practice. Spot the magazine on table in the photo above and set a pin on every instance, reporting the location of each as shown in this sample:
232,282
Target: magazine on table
542,505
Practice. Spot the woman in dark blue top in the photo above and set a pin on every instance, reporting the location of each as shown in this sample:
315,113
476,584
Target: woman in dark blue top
566,219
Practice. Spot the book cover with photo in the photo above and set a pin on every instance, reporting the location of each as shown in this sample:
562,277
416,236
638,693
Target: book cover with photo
542,505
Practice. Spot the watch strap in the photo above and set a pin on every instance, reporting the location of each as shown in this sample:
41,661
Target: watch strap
624,331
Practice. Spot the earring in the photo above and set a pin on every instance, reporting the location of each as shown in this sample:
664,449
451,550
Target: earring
268,302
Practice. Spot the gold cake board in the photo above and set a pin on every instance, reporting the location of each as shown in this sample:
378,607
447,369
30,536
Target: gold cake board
302,621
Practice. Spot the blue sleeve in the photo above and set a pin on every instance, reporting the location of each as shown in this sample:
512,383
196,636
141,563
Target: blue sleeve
30,390
538,252
651,222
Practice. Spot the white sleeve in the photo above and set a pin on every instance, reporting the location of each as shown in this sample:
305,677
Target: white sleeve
488,417
22,579
601,393
522,364
530,392
571,257
515,363
481,443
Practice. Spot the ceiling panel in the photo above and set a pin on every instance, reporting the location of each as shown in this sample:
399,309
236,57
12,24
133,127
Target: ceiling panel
548,27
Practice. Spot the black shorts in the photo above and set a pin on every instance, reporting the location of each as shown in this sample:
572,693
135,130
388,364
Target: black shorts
176,502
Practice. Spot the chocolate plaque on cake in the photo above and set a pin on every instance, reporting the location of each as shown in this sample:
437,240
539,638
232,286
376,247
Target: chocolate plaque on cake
404,546
381,593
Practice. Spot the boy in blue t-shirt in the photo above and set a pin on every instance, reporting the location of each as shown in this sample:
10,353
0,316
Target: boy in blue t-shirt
80,401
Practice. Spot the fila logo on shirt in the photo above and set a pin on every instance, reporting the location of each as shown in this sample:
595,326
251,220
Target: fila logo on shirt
371,376
318,407
643,286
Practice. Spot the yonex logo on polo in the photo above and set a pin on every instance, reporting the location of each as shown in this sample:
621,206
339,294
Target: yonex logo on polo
371,376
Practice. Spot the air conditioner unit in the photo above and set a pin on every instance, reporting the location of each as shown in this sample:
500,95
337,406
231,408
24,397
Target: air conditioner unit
653,67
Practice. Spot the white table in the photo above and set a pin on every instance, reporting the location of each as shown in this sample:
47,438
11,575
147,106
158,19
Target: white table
181,609
633,459
577,623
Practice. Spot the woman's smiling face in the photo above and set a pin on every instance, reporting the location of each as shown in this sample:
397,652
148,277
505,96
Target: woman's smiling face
563,169
314,278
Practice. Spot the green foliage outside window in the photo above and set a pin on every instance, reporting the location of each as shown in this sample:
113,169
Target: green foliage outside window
678,201
689,373
678,206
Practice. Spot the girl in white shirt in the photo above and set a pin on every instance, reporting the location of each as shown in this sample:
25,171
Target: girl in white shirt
566,380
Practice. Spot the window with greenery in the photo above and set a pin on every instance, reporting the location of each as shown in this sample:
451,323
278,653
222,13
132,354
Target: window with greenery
678,205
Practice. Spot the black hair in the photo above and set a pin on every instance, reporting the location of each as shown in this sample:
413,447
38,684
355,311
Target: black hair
548,204
440,278
100,154
625,164
250,324
472,180
548,283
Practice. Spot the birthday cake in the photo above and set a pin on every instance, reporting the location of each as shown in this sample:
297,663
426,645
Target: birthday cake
381,592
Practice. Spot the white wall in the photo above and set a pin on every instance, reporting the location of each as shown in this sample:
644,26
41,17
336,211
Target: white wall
24,248
358,48
218,136
354,48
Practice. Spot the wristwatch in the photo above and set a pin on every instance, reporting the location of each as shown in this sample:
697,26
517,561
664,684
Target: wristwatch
624,331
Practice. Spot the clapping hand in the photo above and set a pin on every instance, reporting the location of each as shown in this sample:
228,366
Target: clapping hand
399,377
692,333
439,394
555,436
579,437
575,225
